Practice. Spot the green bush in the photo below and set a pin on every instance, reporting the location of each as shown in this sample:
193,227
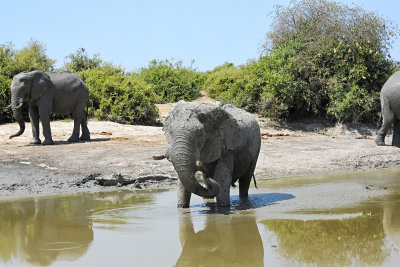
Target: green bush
172,82
355,82
262,86
80,60
221,80
337,58
5,99
118,97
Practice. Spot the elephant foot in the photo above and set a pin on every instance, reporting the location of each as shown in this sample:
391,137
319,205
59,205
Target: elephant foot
244,195
73,139
396,139
35,141
379,141
223,202
396,144
84,138
48,142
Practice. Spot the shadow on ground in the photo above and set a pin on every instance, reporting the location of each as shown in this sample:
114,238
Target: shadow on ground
254,201
57,143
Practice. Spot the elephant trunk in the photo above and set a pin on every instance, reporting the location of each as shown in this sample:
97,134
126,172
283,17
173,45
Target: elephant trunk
16,105
182,157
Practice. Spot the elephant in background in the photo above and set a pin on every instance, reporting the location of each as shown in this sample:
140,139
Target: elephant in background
390,105
47,93
211,148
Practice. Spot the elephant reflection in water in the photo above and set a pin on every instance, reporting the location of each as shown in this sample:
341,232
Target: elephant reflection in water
41,231
224,241
391,219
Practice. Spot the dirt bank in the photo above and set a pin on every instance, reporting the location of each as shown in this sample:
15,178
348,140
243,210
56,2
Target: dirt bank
287,150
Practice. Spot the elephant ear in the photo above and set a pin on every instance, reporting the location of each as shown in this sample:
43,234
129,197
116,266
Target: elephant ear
41,83
222,131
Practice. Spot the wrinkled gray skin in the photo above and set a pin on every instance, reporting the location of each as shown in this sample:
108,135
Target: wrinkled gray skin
47,93
211,148
390,104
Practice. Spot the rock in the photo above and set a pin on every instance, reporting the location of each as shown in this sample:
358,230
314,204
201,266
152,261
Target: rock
117,179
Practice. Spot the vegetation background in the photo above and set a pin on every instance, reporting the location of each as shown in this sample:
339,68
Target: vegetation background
321,60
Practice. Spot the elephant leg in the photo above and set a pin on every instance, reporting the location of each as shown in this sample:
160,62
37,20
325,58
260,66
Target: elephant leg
223,175
244,184
388,119
45,113
396,133
77,123
183,196
34,118
85,130
245,180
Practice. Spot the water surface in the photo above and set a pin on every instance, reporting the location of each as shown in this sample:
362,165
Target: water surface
336,220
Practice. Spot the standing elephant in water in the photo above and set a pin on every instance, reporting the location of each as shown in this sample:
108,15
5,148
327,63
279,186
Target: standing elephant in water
47,93
211,148
390,104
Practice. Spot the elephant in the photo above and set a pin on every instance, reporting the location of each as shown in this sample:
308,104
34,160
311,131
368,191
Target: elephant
211,148
390,106
47,93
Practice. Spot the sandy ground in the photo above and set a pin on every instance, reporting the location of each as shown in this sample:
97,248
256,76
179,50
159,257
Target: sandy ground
287,150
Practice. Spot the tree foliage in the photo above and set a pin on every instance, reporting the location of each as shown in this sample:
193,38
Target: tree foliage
339,57
80,60
320,59
321,23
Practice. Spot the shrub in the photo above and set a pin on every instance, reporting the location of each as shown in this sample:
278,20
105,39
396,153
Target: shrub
118,97
221,80
5,99
171,81
80,60
261,86
337,58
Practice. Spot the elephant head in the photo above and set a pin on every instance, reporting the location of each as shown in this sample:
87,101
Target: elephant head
27,86
198,134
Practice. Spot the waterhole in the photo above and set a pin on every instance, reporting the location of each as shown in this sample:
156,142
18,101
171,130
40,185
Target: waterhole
335,220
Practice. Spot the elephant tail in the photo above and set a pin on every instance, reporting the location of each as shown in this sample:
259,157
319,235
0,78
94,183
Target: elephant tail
87,109
254,180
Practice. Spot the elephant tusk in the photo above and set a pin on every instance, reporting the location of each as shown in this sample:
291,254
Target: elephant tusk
8,107
20,105
199,164
160,157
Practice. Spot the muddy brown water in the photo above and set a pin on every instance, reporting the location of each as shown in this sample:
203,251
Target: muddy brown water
335,220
